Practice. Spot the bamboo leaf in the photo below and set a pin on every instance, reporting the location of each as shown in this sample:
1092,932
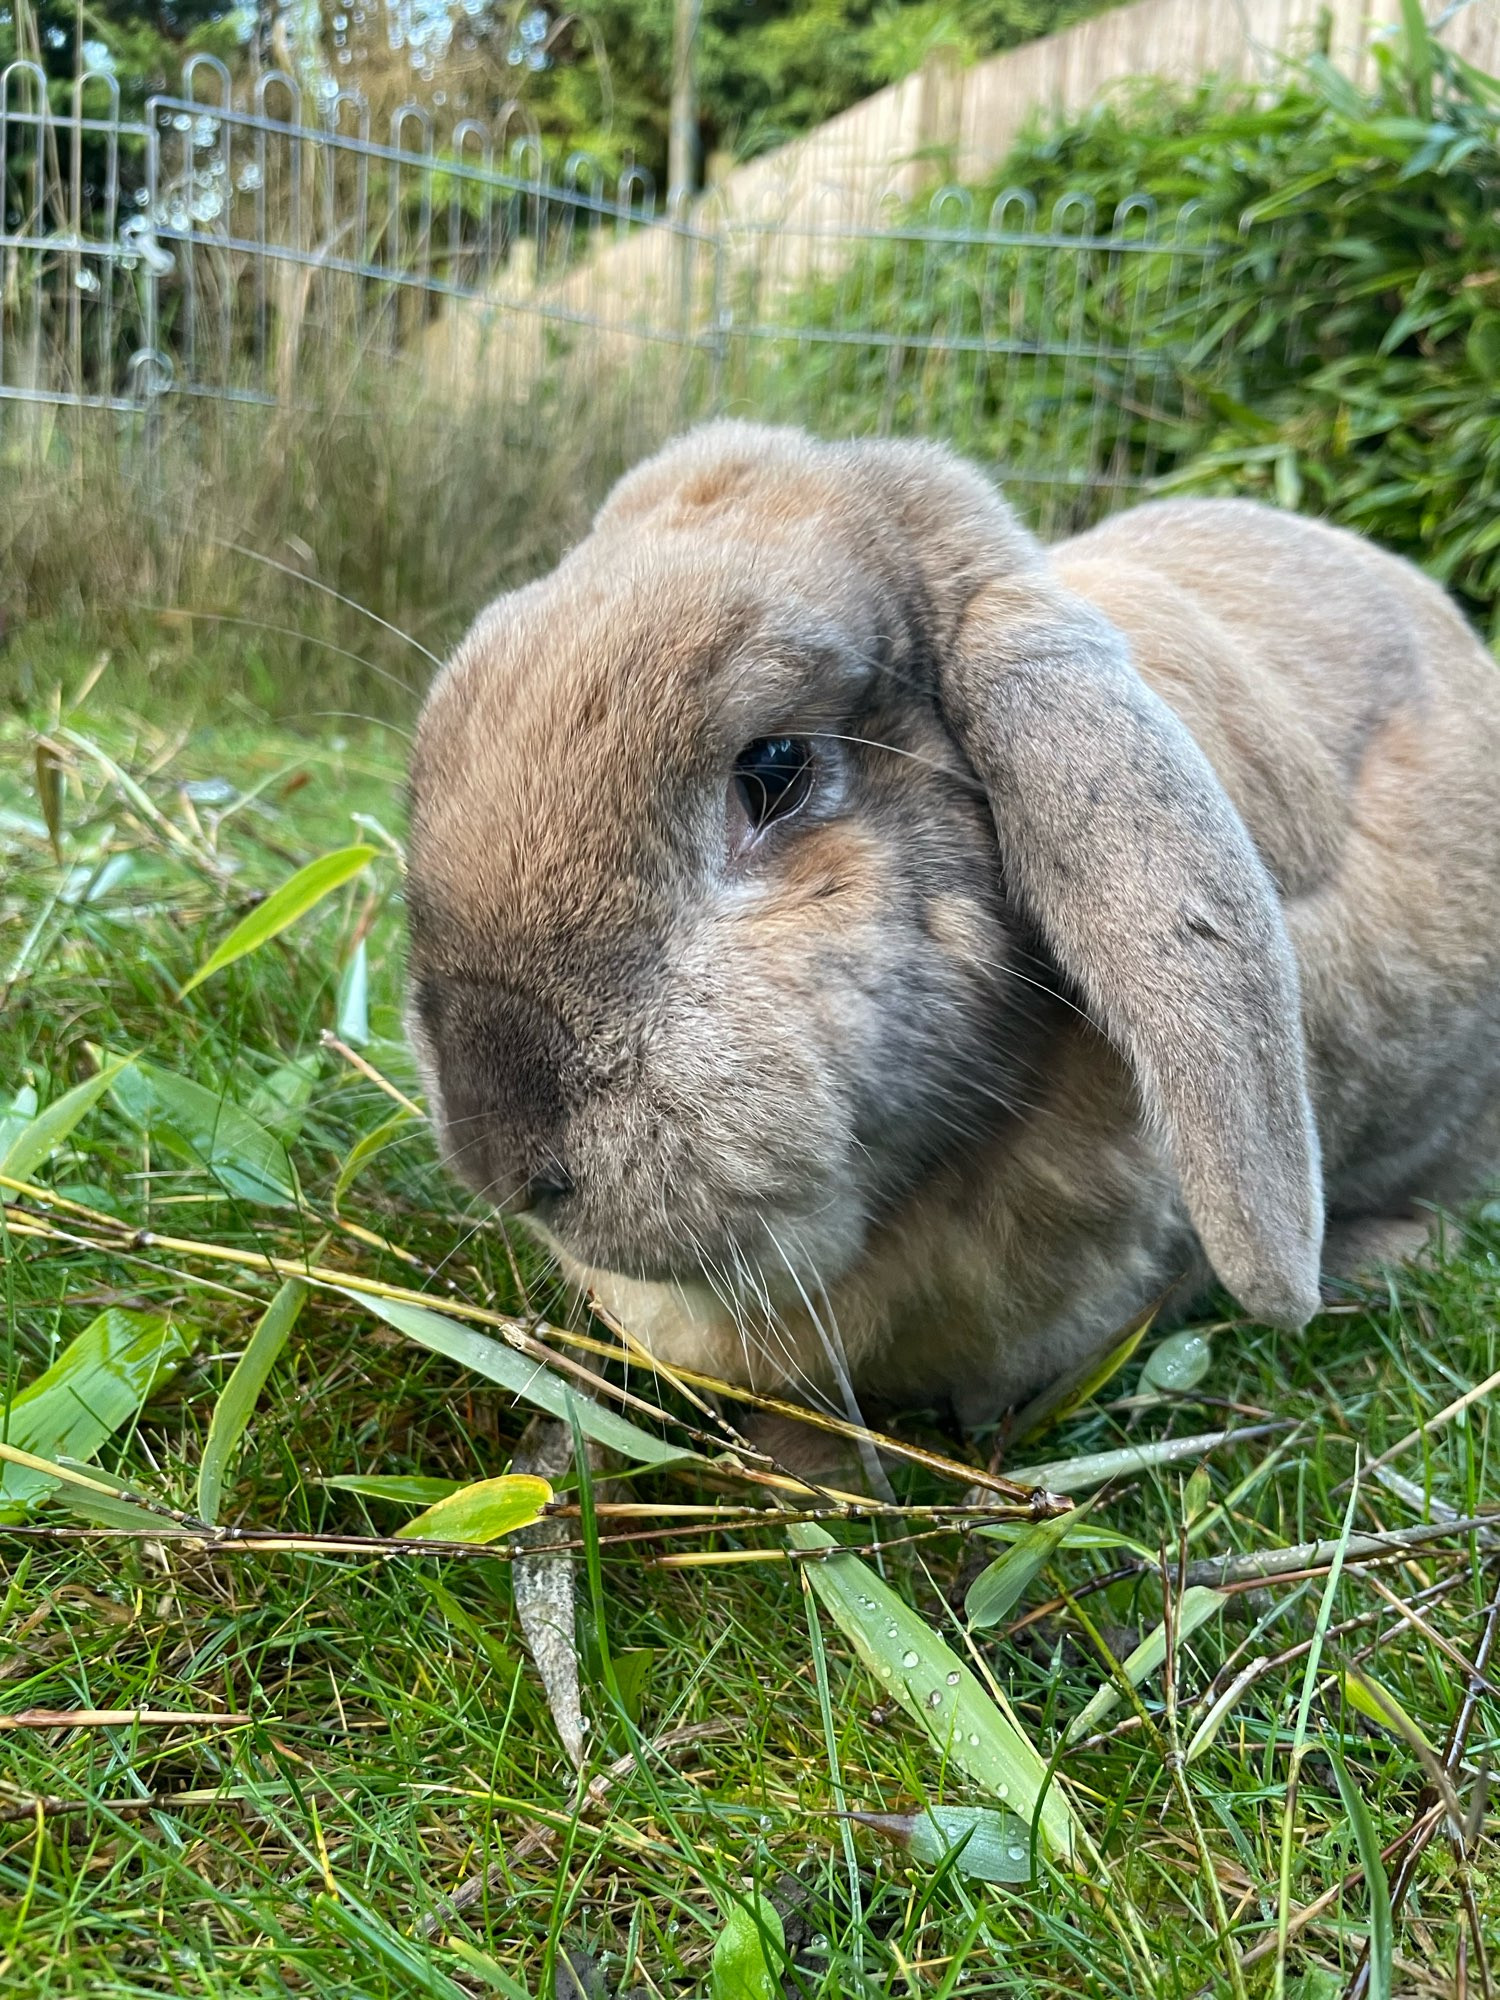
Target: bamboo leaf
49,791
986,1845
280,1100
528,1380
208,1130
996,1590
1177,1364
94,1386
38,1140
739,1969
16,1116
1076,1475
1081,1384
482,1512
353,1018
238,1397
918,1669
1376,1702
1194,1606
296,896
410,1490
98,1499
365,1149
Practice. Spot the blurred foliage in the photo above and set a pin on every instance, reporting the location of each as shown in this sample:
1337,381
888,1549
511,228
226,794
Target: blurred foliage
596,77
143,46
1342,354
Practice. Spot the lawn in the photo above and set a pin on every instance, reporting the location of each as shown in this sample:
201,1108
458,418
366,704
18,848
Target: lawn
359,1789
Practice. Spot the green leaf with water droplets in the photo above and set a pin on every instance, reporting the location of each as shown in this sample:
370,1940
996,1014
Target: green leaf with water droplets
986,1845
1178,1363
971,1730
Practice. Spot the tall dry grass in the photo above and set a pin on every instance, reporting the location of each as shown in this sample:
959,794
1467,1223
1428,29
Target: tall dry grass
273,558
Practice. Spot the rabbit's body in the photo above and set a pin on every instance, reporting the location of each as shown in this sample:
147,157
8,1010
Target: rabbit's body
927,1084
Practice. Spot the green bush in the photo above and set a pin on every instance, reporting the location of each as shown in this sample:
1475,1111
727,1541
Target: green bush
1337,349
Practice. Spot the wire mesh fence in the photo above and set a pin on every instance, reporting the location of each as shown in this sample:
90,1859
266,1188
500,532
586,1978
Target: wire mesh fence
227,242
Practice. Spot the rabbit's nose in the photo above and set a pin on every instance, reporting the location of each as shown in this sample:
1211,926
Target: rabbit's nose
541,1191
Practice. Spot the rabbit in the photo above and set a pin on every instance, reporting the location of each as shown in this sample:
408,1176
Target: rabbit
879,954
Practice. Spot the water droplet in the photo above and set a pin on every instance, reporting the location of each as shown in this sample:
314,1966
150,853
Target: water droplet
766,1822
935,1699
817,1942
973,1739
1016,1852
885,1673
205,132
908,1659
182,122
85,281
1002,1791
953,1678
249,179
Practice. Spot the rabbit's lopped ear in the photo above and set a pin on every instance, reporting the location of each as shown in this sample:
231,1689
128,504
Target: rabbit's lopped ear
1125,850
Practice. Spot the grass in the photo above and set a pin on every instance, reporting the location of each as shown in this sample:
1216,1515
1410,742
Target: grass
397,1744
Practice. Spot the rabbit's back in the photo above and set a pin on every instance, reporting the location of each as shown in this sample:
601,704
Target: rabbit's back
1354,719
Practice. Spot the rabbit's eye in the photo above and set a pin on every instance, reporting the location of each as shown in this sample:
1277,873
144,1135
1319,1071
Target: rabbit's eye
774,775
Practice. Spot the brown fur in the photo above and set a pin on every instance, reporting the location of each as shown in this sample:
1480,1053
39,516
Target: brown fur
1144,911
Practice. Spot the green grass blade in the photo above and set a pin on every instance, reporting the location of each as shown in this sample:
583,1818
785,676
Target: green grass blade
240,1393
484,1511
36,1141
1367,1841
525,1378
94,1386
918,1669
1310,1674
1194,1606
296,896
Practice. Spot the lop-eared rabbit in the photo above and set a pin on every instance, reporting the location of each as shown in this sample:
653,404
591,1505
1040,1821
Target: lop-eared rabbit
873,948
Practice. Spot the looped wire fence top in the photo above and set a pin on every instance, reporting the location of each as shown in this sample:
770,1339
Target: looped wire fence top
219,243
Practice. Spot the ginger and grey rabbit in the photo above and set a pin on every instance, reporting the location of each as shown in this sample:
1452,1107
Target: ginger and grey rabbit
878,951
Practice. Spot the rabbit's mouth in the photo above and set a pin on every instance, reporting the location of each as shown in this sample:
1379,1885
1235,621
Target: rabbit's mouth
652,1229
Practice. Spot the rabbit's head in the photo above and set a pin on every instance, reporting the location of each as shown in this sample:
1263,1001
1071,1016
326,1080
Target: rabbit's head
756,850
